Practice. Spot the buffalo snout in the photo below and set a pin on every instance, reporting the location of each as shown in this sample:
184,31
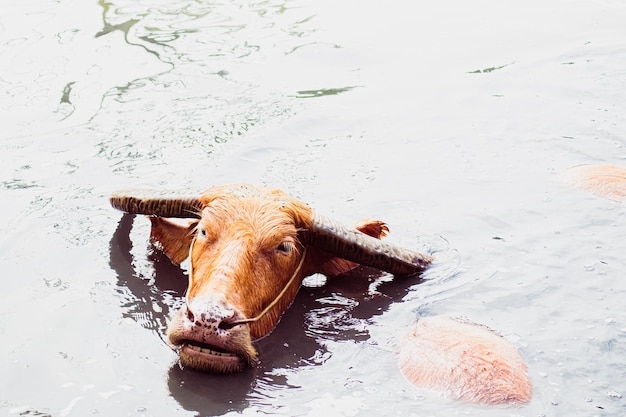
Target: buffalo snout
206,334
216,316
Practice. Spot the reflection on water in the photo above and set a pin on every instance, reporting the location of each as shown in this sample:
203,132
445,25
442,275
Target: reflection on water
322,92
488,70
211,395
147,300
341,310
176,31
212,40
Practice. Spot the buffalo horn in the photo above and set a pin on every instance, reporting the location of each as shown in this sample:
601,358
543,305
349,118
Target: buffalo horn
333,237
156,203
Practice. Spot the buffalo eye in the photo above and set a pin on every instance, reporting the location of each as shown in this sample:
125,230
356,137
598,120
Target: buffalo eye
202,232
285,247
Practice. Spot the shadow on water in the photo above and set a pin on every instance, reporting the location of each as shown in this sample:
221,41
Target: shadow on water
147,301
338,310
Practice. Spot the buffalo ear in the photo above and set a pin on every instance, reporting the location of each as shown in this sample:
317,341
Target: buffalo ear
173,237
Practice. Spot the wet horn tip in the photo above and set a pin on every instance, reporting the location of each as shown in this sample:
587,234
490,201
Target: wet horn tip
358,247
156,203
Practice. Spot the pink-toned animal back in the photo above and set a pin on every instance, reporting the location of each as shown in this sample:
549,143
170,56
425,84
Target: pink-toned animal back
466,361
608,181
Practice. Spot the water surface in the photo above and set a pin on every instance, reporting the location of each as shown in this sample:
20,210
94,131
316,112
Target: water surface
450,121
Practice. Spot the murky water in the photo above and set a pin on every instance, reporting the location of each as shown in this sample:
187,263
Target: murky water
448,120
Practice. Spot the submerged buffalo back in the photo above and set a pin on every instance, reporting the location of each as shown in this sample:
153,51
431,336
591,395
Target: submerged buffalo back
608,181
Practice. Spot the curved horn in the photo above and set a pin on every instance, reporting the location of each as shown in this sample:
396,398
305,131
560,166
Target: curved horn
355,246
156,203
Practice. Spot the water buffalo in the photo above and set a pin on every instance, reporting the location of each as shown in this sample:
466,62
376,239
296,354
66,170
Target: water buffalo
250,248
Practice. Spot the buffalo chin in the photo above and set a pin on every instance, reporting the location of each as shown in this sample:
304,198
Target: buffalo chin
206,359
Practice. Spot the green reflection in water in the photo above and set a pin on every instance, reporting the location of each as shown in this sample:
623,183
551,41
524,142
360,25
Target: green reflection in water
322,92
488,70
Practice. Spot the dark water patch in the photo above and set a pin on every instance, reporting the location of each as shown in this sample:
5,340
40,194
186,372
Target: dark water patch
322,92
17,184
147,300
32,413
488,70
67,91
210,395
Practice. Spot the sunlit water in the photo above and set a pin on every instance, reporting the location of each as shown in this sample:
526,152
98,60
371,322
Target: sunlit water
449,120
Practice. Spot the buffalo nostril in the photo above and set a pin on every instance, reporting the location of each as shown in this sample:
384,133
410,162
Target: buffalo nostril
211,315
226,325
235,319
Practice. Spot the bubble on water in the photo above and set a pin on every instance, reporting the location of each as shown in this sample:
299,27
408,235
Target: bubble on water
371,390
56,283
314,281
614,394
329,404
352,383
66,36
